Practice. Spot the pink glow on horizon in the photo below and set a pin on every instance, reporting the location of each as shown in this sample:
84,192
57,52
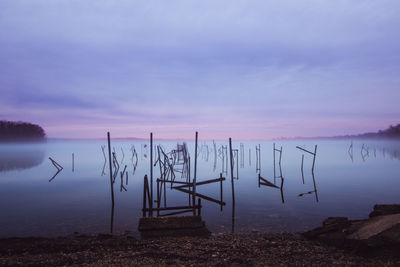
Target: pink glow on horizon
214,131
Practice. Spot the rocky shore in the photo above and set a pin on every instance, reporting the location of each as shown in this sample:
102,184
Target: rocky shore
227,250
339,241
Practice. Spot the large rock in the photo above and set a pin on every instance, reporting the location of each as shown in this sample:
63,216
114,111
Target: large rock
385,209
376,235
375,226
332,228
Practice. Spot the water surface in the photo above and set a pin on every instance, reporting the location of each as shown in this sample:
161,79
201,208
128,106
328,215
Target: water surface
348,184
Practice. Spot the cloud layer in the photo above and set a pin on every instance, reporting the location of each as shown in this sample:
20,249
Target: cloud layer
246,69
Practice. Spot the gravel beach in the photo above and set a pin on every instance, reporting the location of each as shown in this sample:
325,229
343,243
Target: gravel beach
226,250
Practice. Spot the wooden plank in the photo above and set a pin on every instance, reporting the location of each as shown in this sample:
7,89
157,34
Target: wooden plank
305,150
200,183
266,182
173,208
176,213
202,196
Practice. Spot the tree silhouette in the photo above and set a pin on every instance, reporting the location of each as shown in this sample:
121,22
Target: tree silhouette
21,131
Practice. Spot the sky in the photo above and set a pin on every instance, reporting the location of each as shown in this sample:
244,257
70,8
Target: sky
241,69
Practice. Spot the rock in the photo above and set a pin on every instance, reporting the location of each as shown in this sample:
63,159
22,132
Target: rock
385,209
375,226
333,228
379,235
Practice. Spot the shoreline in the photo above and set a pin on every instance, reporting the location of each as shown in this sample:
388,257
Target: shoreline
339,241
227,250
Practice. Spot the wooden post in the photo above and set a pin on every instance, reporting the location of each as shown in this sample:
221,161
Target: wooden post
302,169
259,158
281,188
111,183
233,187
112,219
195,174
158,197
256,158
274,164
189,181
315,154
226,160
237,165
220,187
111,174
231,156
280,166
151,175
73,162
315,187
144,196
165,194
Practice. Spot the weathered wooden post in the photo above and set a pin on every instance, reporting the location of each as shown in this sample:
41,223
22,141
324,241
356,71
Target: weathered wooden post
189,179
281,188
315,154
144,196
73,162
158,197
315,187
151,175
220,187
274,164
280,160
231,156
195,175
302,167
111,182
259,158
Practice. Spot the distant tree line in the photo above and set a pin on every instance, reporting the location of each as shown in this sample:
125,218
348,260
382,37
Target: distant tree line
20,131
391,132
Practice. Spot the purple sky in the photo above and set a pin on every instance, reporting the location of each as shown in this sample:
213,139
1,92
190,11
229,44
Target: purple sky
245,69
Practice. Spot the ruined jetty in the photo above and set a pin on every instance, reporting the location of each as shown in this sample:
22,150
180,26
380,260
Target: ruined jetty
153,227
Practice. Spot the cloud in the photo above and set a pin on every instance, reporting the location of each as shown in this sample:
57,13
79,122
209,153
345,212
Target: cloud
209,64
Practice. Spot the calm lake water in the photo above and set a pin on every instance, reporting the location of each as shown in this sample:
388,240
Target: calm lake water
80,201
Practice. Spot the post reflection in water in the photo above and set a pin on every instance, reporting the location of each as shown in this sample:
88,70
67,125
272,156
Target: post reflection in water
315,191
58,167
258,205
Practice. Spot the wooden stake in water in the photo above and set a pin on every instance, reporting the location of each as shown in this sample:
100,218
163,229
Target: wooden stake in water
195,175
232,182
72,162
315,154
220,187
274,165
151,175
302,167
111,182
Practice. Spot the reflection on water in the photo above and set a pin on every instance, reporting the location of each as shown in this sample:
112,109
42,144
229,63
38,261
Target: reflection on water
58,167
20,157
285,195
